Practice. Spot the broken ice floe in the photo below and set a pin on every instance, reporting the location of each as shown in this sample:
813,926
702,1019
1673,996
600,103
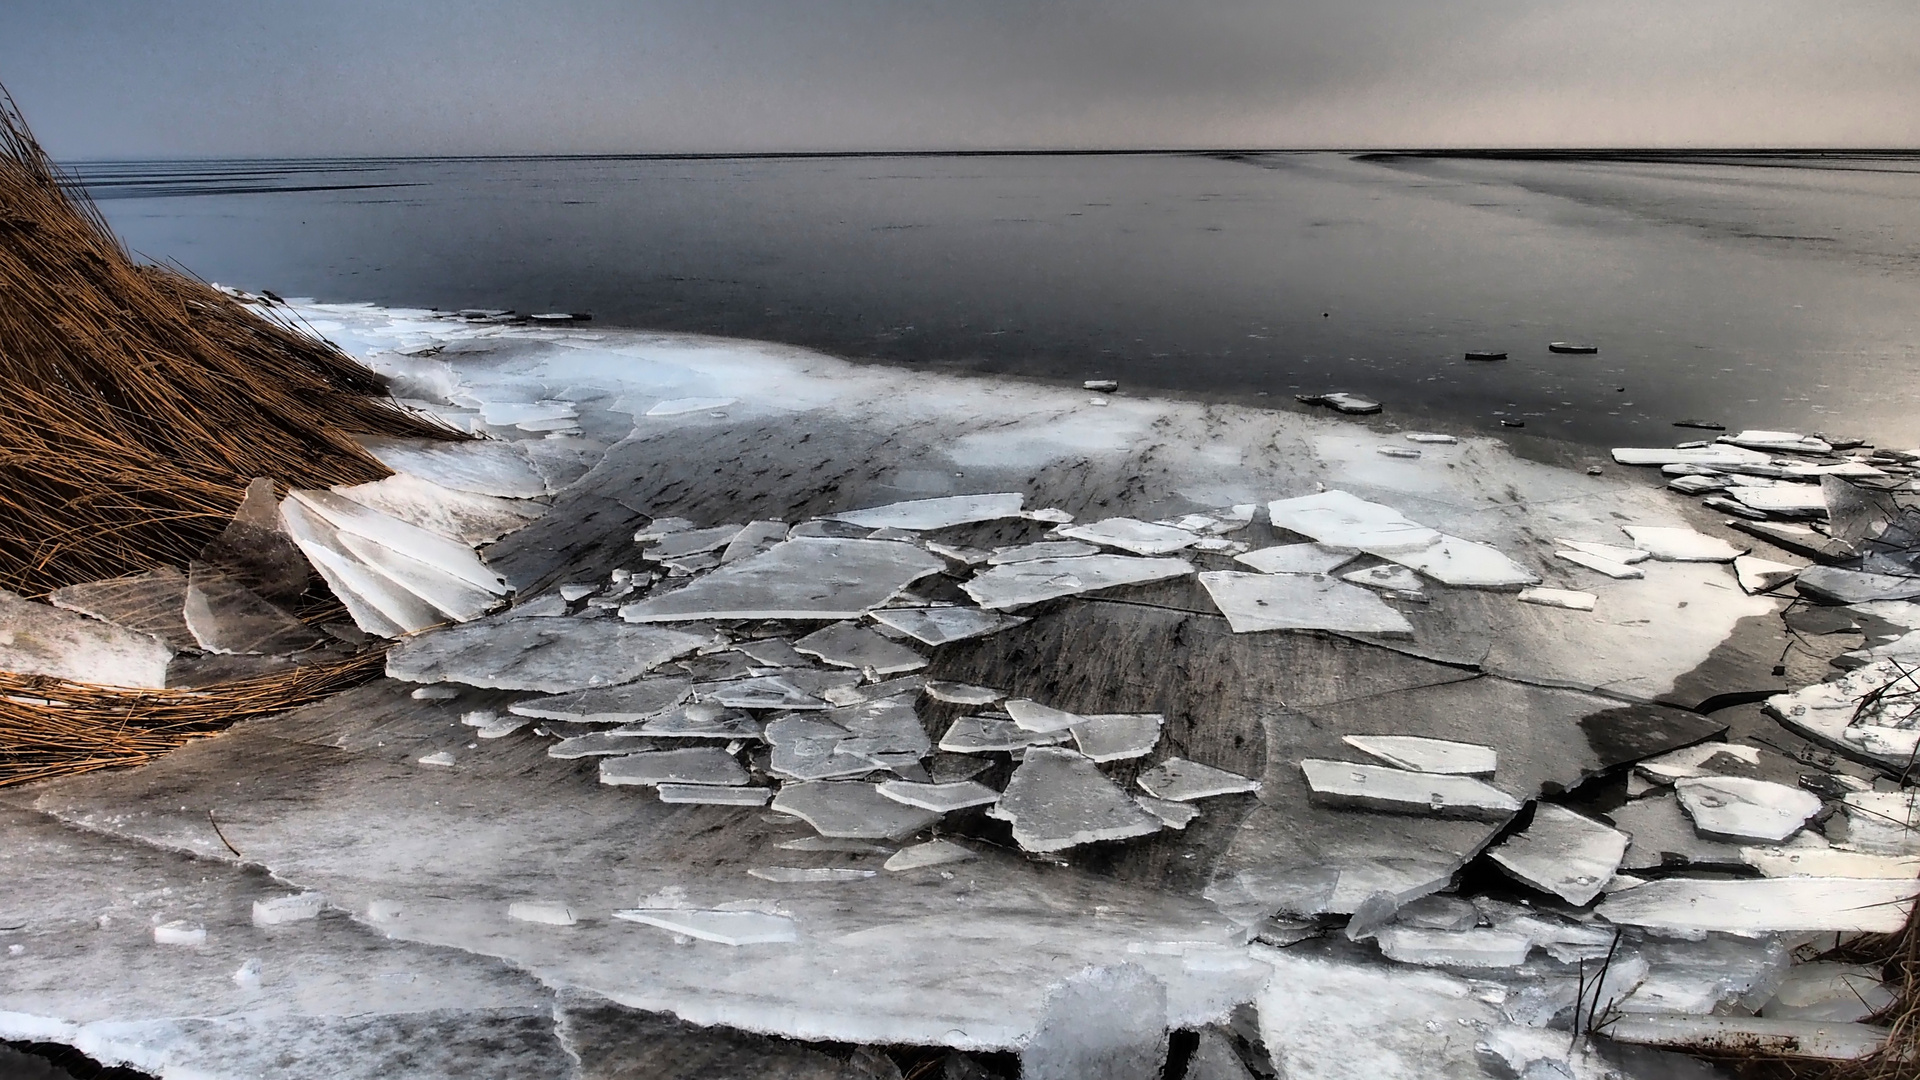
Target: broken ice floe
1564,853
1765,906
1341,401
700,720
713,795
550,655
1174,815
179,932
1743,808
1337,519
1399,581
1117,736
483,467
1718,455
1046,549
279,910
698,765
1872,712
152,602
850,645
686,542
1308,558
598,744
1835,585
1674,544
464,516
1139,537
1453,948
962,693
1883,822
851,810
931,853
1180,780
1570,599
40,639
608,705
1019,584
1033,716
941,513
806,578
1596,563
1254,602
1426,755
986,734
722,927
1057,799
1374,787
1757,575
940,798
440,554
941,625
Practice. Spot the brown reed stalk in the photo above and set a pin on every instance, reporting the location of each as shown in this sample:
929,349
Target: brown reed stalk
136,402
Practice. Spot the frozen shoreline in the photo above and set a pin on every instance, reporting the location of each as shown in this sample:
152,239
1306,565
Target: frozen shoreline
717,431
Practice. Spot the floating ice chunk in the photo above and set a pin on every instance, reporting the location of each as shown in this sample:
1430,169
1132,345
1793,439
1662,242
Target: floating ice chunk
938,513
1763,575
1180,780
1463,563
1427,755
714,794
1453,948
904,686
805,749
661,527
152,603
299,907
1564,853
851,810
1406,452
940,798
756,537
1777,440
1033,716
685,542
983,734
1832,585
544,912
1681,545
1717,456
1394,579
1429,437
1059,799
1048,549
448,556
962,693
960,553
809,874
550,655
1254,602
807,578
179,932
765,692
1373,787
1118,736
500,727
1765,906
1019,584
888,726
1139,537
1297,559
1787,500
699,765
1742,808
1107,1022
40,639
482,467
453,597
1750,1035
1341,401
1337,519
1827,862
1570,599
1883,822
1618,571
685,405
1048,514
1830,992
541,607
850,645
1693,484
442,759
608,705
1692,761
616,743
931,853
1174,815
722,927
940,625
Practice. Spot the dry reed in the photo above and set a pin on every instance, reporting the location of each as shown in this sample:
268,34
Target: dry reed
136,402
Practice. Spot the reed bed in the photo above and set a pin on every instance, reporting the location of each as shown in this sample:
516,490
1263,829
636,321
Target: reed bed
137,402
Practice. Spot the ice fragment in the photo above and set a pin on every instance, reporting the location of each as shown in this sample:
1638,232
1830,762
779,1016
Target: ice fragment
1564,853
1372,787
1180,780
1421,754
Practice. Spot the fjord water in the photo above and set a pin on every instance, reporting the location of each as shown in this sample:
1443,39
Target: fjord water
1759,291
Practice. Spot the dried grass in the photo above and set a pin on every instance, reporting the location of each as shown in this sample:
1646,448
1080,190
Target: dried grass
137,402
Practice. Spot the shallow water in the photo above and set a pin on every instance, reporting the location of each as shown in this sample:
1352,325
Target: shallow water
1776,292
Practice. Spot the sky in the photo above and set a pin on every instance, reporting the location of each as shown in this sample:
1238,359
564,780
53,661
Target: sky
215,78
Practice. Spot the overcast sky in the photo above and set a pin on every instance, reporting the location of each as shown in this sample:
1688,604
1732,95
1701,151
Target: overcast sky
184,78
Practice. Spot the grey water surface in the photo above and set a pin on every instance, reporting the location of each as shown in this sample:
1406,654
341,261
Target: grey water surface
1761,290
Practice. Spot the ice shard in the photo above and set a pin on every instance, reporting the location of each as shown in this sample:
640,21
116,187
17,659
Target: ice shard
464,516
1139,537
1254,602
701,720
852,810
454,597
1308,558
1564,853
938,513
931,853
1108,1022
450,557
1759,575
940,625
962,693
1340,520
1033,716
1426,755
1599,565
756,537
1569,599
1373,787
1117,736
1671,544
713,794
1180,780
1046,549
939,798
1765,906
1743,808
609,705
1059,799
1019,584
722,927
807,578
1453,948
40,639
851,645
699,765
152,602
549,655
679,545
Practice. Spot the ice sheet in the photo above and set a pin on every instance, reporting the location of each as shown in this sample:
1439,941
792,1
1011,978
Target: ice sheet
938,513
549,655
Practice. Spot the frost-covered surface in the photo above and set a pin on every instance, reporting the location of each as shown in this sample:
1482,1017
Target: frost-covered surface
696,902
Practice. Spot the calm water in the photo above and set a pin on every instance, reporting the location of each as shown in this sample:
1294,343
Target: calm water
1774,292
